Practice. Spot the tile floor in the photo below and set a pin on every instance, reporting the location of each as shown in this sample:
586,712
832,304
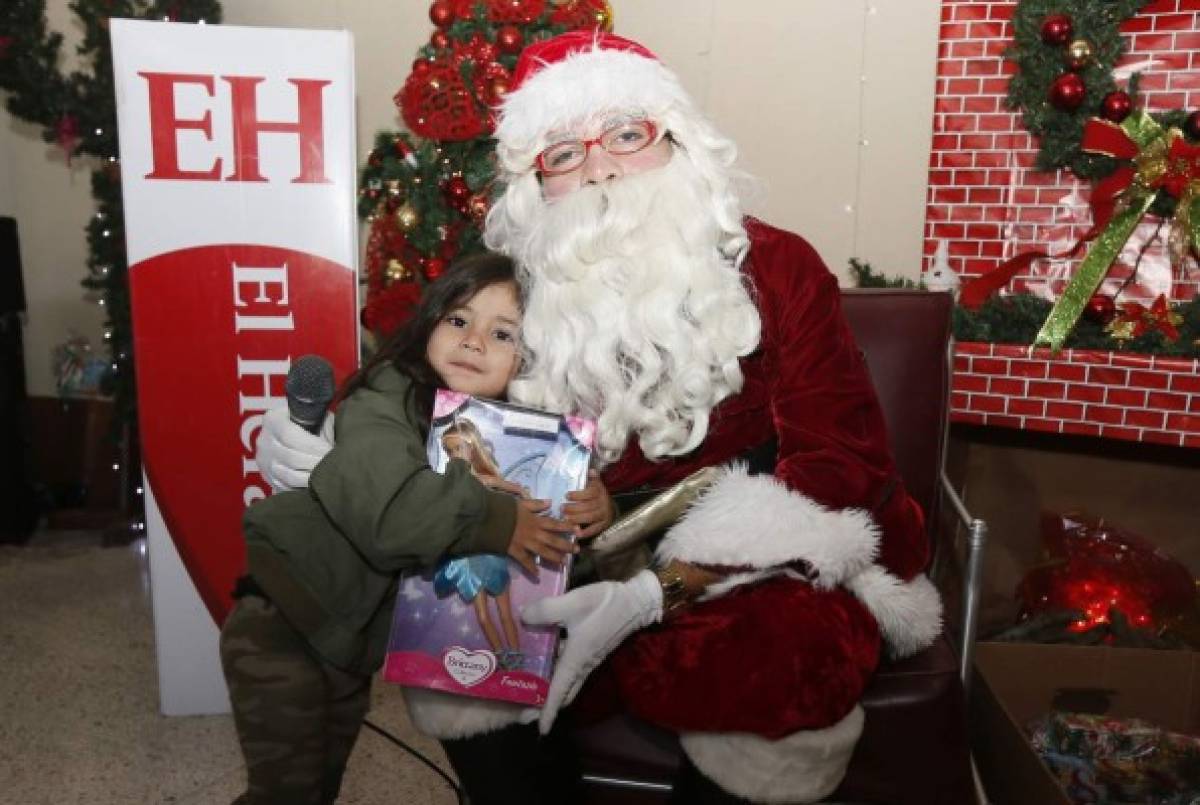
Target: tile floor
79,720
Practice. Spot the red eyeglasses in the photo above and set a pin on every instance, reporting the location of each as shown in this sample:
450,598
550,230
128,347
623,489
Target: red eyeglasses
622,139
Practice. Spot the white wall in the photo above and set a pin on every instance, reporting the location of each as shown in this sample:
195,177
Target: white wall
801,85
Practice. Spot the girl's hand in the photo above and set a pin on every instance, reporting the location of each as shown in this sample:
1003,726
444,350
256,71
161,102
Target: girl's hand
590,509
538,538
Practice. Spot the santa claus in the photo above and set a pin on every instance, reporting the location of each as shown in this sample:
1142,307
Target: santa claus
698,337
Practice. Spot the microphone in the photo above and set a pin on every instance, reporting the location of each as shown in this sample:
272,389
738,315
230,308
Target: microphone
309,389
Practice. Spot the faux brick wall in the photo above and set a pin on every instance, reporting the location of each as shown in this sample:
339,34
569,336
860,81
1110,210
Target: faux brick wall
1090,393
986,200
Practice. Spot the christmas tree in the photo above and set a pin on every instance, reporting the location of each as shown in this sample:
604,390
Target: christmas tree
426,192
78,112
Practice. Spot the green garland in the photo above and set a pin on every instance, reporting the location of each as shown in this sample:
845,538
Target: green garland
1016,319
78,111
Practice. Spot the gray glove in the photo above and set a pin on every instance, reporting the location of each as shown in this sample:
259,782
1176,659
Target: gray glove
286,453
597,617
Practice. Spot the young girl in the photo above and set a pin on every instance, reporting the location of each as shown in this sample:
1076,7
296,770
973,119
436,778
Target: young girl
311,623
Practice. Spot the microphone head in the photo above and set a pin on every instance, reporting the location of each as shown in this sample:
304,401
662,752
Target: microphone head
310,389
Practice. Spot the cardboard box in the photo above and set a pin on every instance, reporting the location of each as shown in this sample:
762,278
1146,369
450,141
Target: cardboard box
1017,682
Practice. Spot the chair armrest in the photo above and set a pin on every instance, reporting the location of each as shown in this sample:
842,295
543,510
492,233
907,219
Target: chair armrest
972,578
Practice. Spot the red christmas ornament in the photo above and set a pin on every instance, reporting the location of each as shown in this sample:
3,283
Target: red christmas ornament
457,190
516,12
1116,106
497,90
434,267
438,106
421,66
491,83
461,53
67,136
509,39
402,147
583,14
486,52
1067,92
439,40
1100,309
441,13
1057,29
1191,126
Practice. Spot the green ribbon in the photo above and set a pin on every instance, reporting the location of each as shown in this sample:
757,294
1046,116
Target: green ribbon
1193,221
1143,130
1087,278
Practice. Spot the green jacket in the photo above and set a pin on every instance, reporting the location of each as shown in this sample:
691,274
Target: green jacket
329,556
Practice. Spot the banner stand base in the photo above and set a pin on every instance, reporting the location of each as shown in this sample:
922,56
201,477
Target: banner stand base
190,681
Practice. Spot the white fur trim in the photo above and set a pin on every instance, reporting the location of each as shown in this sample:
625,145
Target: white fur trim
447,716
909,613
755,520
805,766
572,91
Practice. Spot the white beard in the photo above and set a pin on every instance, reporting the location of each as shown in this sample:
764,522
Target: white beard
636,313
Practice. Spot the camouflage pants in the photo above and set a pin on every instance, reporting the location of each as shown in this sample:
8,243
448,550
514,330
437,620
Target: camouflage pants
297,716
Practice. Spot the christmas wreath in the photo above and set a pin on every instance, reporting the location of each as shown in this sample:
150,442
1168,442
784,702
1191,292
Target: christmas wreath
1141,163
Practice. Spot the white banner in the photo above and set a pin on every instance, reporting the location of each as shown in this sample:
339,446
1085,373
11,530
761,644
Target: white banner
238,173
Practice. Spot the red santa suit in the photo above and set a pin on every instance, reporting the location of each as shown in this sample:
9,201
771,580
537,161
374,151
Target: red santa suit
827,552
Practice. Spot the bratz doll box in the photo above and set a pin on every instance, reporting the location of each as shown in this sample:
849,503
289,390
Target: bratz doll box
457,627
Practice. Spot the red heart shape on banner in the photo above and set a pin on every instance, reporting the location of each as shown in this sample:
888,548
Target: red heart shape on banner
215,329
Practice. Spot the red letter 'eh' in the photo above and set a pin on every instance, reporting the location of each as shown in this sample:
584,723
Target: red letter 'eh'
247,126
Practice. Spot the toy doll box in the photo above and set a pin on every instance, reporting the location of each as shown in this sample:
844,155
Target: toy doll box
457,627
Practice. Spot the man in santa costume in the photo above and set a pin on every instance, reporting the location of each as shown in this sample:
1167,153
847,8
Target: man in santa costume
698,337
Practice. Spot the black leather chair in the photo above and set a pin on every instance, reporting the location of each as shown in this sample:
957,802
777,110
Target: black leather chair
914,748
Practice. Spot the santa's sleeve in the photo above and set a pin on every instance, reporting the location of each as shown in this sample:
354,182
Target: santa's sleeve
835,511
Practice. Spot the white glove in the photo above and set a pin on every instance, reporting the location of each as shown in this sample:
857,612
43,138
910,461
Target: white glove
598,617
286,453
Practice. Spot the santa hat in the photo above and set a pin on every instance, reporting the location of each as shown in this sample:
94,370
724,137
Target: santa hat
567,80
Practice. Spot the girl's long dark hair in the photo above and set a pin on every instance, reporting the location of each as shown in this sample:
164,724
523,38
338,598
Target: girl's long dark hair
405,349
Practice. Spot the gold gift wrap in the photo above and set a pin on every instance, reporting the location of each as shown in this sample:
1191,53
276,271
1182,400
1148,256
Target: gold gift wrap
654,515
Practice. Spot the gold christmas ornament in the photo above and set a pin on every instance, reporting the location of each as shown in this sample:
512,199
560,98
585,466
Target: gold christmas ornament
397,271
604,19
407,217
1079,54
